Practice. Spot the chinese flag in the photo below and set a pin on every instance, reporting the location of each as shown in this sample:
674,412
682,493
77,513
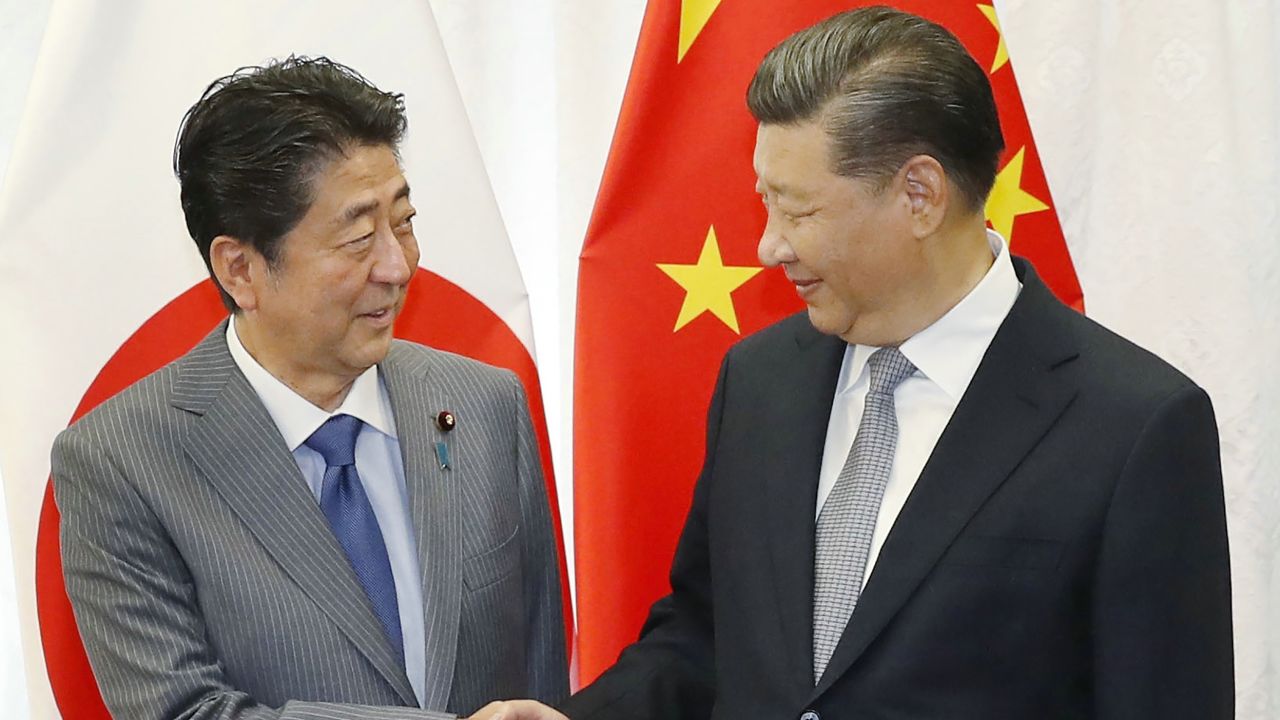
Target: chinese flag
669,278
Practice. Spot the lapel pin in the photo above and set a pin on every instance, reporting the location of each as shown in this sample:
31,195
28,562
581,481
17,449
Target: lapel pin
445,421
442,454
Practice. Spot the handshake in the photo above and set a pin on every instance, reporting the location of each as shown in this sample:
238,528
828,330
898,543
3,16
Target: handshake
516,710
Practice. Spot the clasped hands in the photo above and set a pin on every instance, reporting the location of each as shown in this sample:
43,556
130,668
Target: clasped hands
516,710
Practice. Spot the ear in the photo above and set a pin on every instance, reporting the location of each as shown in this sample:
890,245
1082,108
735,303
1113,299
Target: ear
235,264
927,191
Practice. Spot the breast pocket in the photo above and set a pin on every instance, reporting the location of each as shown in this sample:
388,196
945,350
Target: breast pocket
492,632
1009,553
492,565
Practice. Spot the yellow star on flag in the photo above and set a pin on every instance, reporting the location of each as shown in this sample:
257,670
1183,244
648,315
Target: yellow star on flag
1002,50
694,15
708,285
1008,200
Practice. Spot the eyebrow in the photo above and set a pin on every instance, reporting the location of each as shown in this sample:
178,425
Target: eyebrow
781,189
355,211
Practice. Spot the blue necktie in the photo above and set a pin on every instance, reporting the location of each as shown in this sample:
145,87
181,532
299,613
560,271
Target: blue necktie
346,506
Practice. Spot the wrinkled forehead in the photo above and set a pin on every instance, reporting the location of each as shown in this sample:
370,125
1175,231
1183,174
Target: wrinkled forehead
789,157
364,180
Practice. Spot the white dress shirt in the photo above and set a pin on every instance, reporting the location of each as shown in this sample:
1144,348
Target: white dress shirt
946,355
381,468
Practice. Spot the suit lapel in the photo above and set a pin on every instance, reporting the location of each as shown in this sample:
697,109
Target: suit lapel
1013,400
803,408
436,512
238,448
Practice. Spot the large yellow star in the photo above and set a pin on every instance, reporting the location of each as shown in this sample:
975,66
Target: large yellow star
694,15
708,285
1002,50
1008,200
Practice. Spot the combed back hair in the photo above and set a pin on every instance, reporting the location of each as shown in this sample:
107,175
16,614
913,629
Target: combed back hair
886,86
249,151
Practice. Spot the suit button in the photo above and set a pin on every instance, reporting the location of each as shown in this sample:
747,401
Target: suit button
810,715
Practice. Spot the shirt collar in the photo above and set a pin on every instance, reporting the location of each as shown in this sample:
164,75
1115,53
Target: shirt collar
948,351
295,416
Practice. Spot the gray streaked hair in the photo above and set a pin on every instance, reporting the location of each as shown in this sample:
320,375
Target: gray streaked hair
887,86
249,151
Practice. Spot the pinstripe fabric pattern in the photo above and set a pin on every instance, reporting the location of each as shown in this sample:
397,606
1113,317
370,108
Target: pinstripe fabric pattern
848,519
207,584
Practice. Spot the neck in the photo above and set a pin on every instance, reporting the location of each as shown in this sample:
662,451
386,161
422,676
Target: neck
961,260
326,390
956,258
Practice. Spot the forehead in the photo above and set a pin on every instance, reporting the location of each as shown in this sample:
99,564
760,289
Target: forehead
792,157
364,175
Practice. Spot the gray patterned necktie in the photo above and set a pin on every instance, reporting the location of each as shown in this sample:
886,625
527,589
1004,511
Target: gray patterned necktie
848,518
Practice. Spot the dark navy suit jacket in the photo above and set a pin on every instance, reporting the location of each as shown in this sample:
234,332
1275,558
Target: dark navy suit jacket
1062,555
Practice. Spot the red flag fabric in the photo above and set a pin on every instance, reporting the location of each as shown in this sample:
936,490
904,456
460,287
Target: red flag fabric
668,278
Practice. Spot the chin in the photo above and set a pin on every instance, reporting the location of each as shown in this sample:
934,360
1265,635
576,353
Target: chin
373,352
380,350
826,322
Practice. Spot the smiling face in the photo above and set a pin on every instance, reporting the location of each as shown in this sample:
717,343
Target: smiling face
323,314
846,244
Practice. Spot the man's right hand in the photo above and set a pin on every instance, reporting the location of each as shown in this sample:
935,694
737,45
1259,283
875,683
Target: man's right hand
516,710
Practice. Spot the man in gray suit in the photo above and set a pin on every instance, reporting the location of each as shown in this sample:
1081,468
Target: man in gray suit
302,517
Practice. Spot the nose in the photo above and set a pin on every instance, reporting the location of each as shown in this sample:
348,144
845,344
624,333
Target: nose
395,258
774,250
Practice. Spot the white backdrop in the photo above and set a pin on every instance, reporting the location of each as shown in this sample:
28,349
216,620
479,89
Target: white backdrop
1158,122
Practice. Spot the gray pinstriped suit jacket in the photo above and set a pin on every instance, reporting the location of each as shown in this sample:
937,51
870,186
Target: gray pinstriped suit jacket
207,584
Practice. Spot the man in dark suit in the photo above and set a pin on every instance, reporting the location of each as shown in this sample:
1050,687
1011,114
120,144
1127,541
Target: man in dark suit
942,494
301,517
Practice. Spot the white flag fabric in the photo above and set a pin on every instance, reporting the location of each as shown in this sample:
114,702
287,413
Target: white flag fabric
101,281
1159,129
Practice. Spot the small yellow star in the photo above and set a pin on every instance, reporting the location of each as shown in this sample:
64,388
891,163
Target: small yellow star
708,285
1008,200
694,15
1002,50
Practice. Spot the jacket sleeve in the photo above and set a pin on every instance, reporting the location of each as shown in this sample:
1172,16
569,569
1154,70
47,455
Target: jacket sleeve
547,656
1162,598
669,673
136,607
